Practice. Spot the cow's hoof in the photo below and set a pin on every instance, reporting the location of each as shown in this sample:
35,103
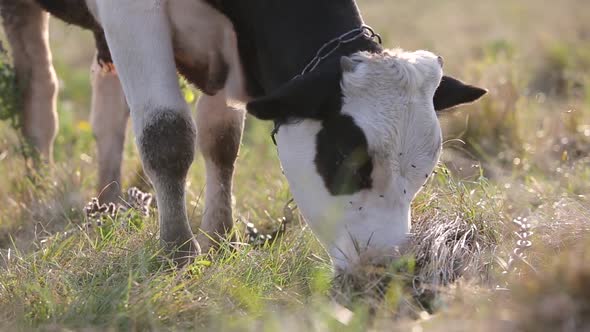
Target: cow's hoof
211,244
207,244
184,253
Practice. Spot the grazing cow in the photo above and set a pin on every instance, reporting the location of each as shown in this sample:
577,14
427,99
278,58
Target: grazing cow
357,136
357,130
26,27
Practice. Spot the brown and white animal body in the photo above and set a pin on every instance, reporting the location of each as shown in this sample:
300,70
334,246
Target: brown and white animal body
359,134
26,26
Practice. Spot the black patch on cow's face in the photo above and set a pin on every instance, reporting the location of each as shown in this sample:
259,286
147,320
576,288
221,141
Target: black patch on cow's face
342,156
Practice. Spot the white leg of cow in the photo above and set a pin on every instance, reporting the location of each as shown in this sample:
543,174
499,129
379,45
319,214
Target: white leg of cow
219,133
109,115
26,27
138,33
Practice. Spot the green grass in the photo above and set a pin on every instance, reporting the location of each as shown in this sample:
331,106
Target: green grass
522,152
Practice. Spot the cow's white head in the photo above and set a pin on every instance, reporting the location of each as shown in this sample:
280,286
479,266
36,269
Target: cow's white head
359,138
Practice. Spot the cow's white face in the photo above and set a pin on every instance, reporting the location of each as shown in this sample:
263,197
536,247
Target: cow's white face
354,175
359,138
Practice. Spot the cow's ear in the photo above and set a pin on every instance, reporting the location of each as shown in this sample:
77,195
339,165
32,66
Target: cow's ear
307,96
451,92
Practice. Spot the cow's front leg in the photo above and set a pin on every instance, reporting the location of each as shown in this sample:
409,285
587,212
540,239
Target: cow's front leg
109,115
219,129
138,34
26,27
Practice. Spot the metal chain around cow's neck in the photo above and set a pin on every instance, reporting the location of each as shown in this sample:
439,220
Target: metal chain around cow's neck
332,46
328,49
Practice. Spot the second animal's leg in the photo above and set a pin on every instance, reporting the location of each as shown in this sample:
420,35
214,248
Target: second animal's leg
219,133
26,27
109,116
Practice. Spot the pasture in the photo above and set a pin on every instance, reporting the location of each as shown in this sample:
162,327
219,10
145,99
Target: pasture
502,229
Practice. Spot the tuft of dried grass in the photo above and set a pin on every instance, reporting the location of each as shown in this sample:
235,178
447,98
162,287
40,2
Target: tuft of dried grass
441,251
447,249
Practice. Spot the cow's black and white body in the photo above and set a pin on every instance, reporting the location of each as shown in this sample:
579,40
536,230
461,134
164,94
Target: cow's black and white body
359,134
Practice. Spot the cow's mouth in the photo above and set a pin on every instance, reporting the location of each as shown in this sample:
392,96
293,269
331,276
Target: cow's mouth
371,280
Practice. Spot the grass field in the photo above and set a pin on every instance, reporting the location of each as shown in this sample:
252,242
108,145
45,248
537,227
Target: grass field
504,226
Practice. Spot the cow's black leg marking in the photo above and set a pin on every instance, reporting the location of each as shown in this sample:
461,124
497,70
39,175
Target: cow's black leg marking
167,145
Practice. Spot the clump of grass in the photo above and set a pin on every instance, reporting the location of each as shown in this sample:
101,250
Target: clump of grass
120,281
448,249
387,289
457,229
453,238
40,203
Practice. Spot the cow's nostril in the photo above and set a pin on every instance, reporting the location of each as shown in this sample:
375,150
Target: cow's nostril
441,61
